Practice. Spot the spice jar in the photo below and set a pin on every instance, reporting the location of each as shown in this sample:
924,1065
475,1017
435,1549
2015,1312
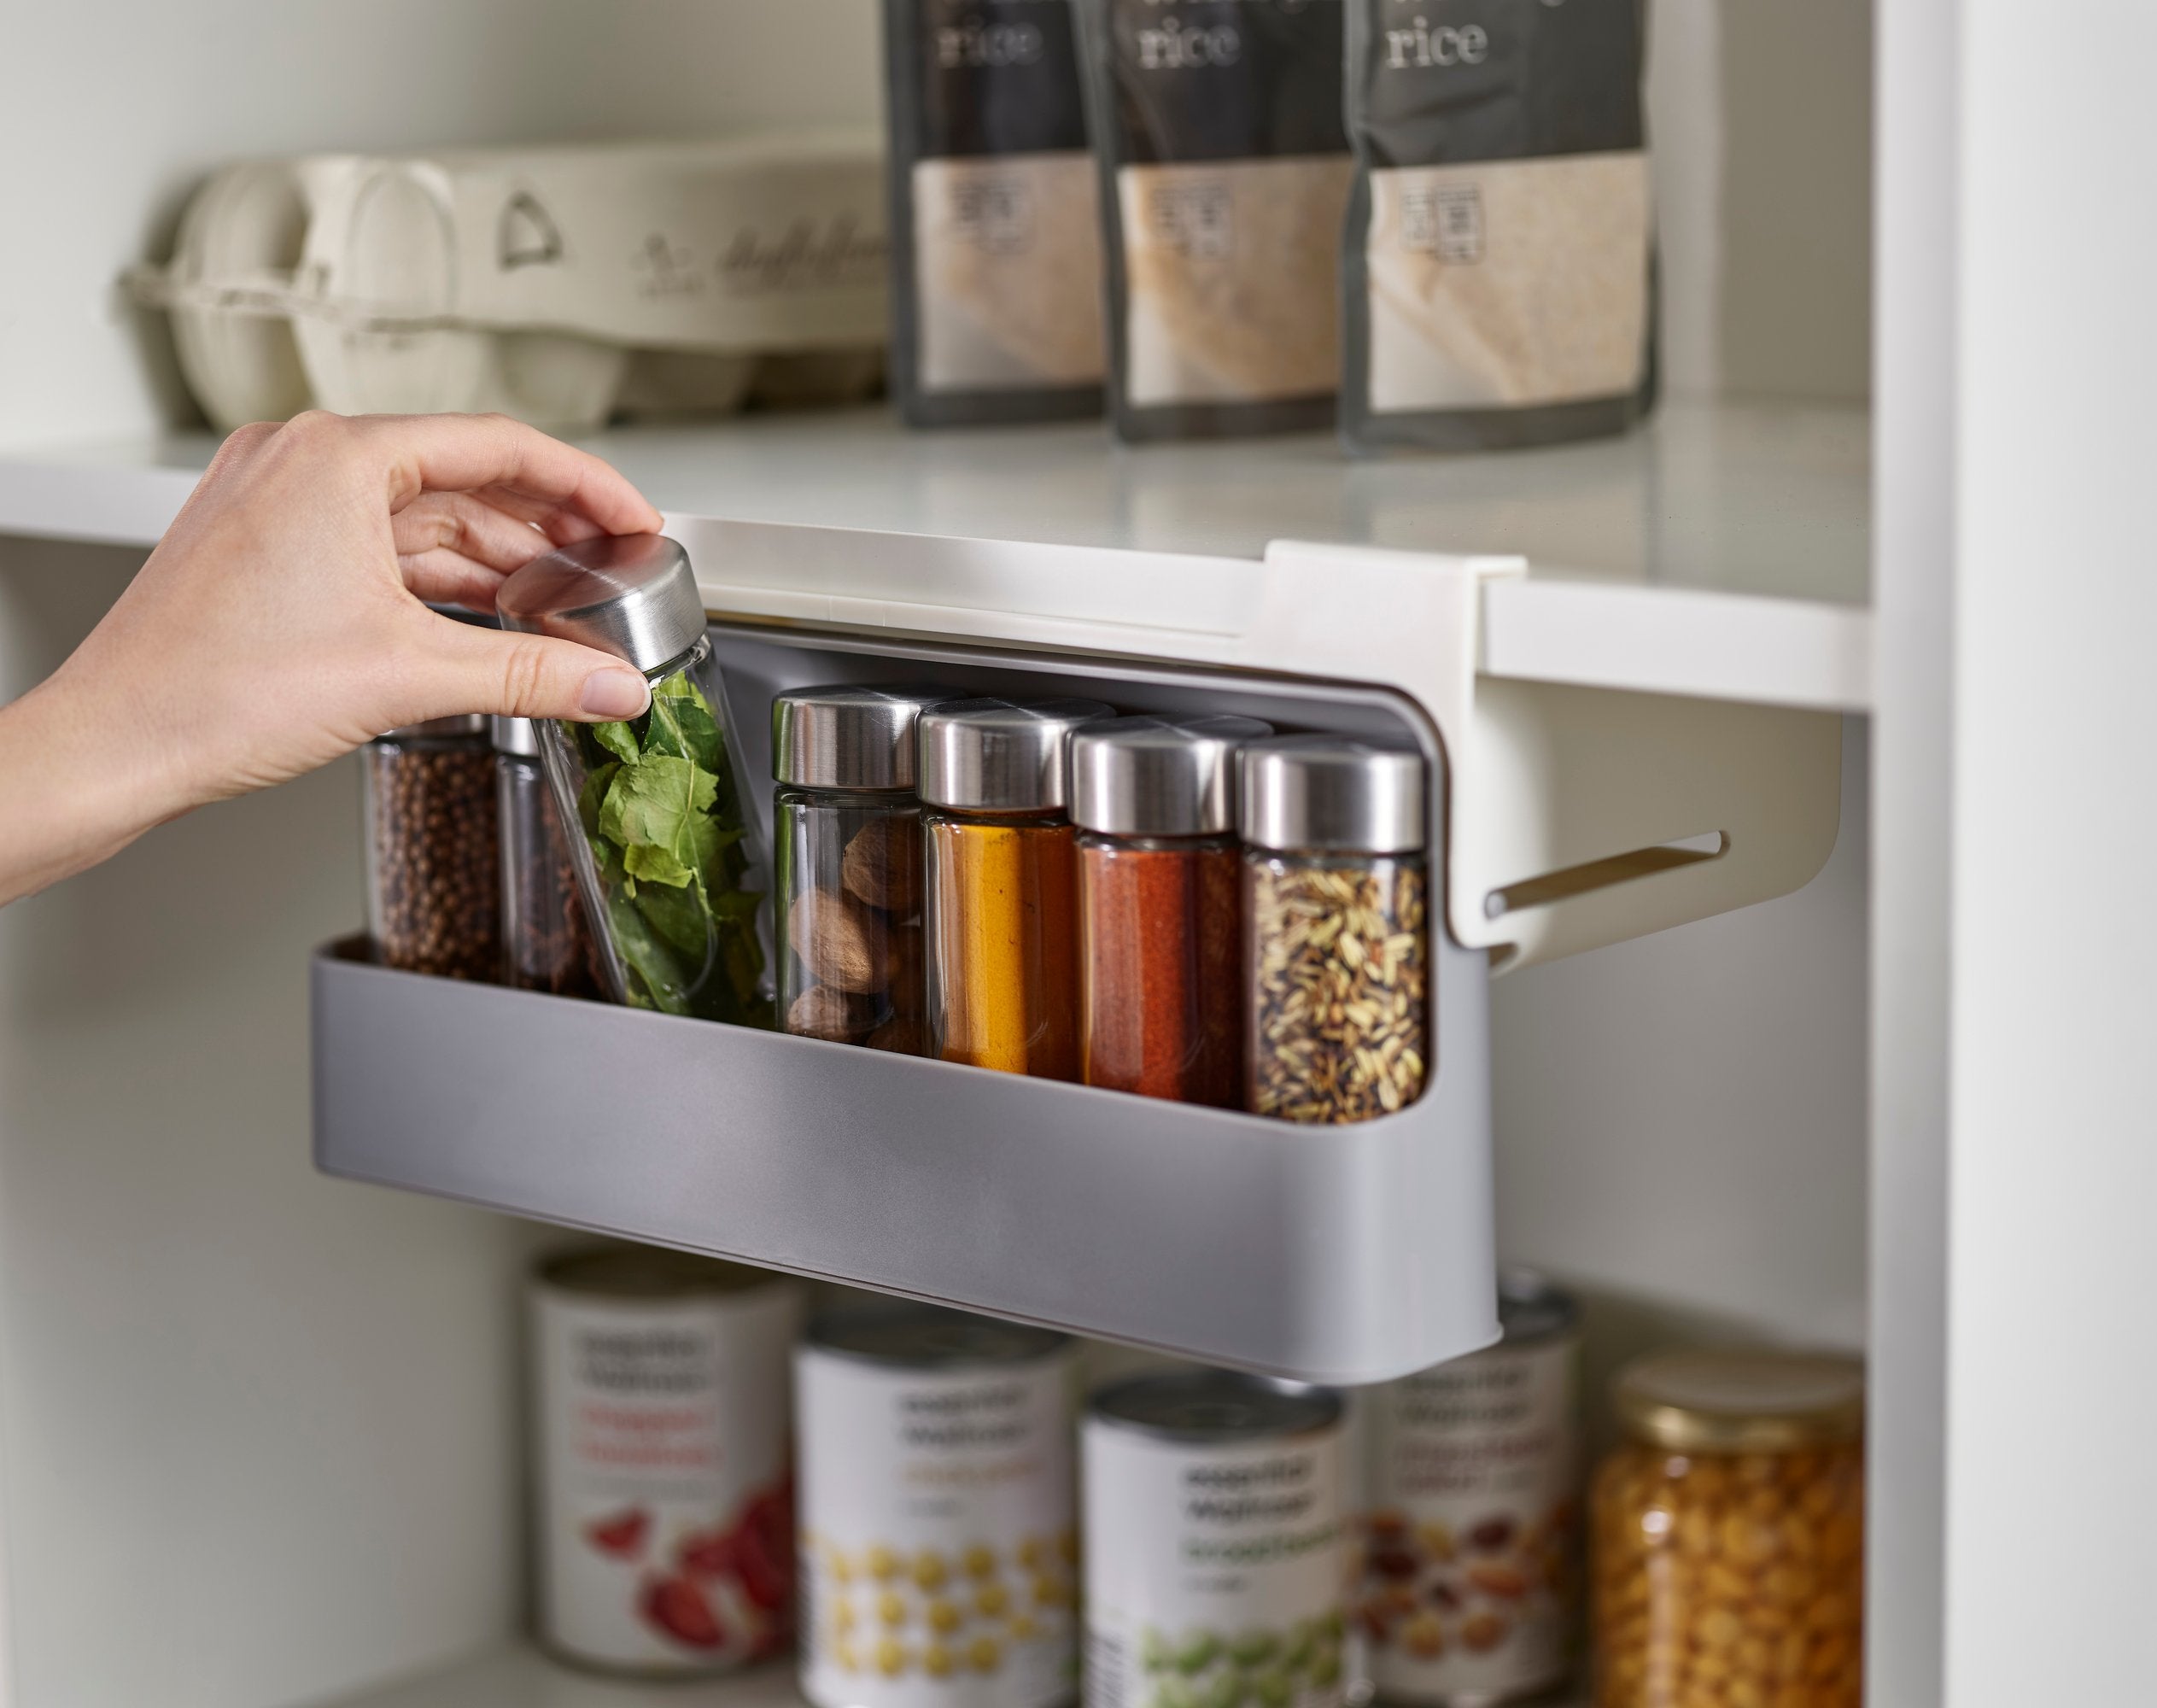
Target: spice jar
1003,883
1336,955
1729,1534
1161,906
847,828
547,945
433,862
667,860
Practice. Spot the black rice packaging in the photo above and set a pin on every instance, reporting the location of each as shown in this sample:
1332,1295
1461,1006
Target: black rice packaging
996,235
1499,262
1224,176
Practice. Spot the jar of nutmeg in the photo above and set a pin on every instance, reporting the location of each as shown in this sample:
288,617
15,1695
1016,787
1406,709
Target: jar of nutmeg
847,832
1729,1535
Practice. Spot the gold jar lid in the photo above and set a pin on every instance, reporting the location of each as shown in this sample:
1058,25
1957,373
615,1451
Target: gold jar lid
1741,1401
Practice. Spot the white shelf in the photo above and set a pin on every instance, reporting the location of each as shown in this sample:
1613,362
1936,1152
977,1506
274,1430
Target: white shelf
1723,551
518,1676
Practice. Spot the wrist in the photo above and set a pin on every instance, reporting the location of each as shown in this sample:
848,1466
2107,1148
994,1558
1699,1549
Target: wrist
87,789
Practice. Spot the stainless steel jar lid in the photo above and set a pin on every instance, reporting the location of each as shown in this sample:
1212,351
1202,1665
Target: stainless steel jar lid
516,735
461,727
1333,791
1158,776
848,738
911,1337
1199,1407
1001,755
631,594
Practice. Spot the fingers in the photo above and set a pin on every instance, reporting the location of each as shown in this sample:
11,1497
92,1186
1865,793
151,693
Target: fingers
524,675
422,454
464,524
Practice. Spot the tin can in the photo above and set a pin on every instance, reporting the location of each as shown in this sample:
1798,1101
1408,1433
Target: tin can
1470,1587
1216,1543
665,1519
940,1556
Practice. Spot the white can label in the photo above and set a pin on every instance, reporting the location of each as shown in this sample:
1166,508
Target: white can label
1471,1536
1213,1574
666,1503
937,1515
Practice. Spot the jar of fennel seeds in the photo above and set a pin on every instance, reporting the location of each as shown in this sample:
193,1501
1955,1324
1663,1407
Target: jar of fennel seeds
433,861
1336,944
668,861
546,943
847,831
1728,1534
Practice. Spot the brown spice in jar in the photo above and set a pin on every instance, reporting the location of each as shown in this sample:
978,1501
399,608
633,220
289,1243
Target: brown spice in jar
547,943
1339,975
436,859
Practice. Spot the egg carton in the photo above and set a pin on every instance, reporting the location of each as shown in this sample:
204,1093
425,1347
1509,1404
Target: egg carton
559,285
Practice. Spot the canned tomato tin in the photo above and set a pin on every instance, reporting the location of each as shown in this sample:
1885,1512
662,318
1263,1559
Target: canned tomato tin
936,1511
1470,1564
1215,1543
665,1497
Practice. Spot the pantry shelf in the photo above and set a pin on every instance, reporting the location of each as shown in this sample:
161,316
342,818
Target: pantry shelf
516,1676
1723,551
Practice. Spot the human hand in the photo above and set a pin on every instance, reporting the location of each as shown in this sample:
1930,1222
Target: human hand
279,624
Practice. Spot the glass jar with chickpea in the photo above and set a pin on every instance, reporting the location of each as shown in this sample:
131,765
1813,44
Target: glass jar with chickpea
1729,1535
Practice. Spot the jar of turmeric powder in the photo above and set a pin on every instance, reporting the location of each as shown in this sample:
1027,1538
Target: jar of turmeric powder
847,831
1161,906
1729,1535
1003,883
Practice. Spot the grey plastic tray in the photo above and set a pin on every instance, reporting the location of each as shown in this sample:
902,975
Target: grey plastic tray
1342,1254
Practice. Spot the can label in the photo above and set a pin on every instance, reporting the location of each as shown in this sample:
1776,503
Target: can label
937,1522
1471,1572
1214,1574
666,1504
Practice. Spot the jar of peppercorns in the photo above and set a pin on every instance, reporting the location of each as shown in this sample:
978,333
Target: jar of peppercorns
433,861
1729,1535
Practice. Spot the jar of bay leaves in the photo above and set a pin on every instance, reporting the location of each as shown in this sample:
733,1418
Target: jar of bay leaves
667,857
847,835
1337,943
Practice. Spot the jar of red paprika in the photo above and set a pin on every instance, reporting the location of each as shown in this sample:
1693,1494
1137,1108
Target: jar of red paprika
1160,906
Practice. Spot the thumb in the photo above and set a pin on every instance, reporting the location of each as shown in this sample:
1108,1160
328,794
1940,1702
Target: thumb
531,675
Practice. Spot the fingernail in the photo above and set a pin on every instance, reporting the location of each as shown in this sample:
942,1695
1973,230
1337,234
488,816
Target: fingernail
615,694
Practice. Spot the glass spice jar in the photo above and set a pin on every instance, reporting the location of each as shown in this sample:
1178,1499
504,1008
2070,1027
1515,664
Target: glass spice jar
668,861
1161,906
1729,1536
433,858
847,828
546,943
1336,947
1003,883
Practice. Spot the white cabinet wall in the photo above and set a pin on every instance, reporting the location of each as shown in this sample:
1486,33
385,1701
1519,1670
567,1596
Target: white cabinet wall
258,1429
